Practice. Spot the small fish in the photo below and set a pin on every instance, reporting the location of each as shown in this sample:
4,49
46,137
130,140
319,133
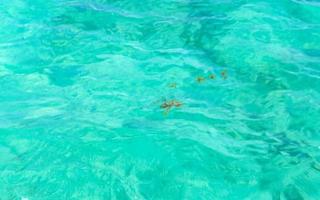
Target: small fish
172,85
212,76
200,79
177,104
168,105
224,74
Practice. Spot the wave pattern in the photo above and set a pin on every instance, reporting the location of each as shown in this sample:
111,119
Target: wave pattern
82,83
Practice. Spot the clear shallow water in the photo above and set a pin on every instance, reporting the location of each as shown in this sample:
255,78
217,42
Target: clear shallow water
82,84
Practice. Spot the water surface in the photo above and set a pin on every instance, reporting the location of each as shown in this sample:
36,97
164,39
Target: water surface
82,83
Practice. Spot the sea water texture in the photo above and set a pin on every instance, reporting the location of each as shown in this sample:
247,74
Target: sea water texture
159,99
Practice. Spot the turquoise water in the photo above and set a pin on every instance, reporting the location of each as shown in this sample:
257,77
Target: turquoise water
127,99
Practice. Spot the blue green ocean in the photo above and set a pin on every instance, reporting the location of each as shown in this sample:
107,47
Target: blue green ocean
159,99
